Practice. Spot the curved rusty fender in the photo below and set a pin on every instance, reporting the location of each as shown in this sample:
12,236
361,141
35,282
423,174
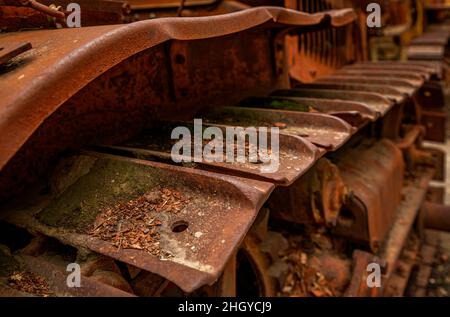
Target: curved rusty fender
64,61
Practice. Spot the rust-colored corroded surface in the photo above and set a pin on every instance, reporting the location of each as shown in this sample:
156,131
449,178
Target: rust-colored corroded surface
64,61
210,216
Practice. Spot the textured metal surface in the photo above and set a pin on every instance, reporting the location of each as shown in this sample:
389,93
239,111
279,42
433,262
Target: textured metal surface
354,113
385,90
320,129
401,85
296,155
222,208
374,174
375,101
411,77
316,198
437,216
89,53
60,80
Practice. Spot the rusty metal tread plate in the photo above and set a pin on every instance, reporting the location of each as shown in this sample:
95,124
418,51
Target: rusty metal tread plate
64,61
413,193
296,154
215,212
321,130
427,52
354,113
401,85
395,69
422,68
413,78
374,101
435,66
374,173
385,90
429,38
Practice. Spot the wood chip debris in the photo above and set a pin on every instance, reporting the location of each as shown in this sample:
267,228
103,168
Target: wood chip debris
134,224
30,283
304,279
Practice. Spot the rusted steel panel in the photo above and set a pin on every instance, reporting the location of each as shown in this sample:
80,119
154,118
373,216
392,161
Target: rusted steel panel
431,38
435,124
426,52
394,69
296,155
385,90
215,212
432,95
411,77
322,130
401,85
354,113
395,66
375,101
374,174
436,66
93,51
437,216
171,79
316,198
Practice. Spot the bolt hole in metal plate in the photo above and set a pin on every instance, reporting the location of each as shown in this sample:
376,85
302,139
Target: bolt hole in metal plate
374,101
180,226
296,155
320,129
180,223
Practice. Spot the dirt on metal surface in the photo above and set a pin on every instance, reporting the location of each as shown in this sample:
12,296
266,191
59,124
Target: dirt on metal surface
320,129
133,224
315,267
296,155
192,224
30,283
